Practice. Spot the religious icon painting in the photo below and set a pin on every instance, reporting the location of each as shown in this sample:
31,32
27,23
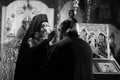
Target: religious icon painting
106,66
97,36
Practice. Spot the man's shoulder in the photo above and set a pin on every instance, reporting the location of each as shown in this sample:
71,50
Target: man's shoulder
81,42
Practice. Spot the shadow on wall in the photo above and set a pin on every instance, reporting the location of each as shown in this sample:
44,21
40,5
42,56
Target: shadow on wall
118,43
116,32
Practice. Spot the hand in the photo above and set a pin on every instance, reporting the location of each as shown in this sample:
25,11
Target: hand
51,35
30,42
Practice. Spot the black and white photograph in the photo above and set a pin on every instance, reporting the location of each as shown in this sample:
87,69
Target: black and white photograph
59,39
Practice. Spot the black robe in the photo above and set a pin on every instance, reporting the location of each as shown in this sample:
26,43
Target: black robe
69,59
29,61
28,66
